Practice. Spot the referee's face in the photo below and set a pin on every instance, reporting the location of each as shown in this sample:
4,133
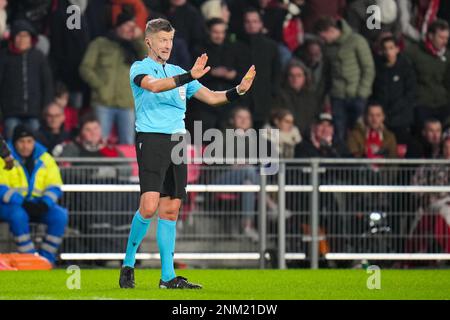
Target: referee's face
161,44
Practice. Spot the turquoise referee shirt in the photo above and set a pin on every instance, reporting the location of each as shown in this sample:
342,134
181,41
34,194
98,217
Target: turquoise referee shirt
162,112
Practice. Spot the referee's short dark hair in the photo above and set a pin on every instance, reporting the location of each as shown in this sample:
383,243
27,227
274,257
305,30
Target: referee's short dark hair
324,24
157,25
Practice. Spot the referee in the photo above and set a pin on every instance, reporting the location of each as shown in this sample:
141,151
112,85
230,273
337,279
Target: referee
160,91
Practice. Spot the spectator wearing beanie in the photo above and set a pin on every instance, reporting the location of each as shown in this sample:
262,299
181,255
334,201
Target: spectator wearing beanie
25,79
105,68
138,7
30,191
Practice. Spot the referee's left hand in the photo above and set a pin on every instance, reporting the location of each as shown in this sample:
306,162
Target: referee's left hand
247,81
200,69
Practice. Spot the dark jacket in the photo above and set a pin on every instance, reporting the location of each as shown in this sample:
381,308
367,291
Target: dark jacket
433,76
304,106
306,149
263,53
395,89
188,23
219,56
25,83
68,47
51,140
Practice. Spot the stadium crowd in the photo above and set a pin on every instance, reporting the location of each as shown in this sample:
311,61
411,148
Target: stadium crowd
334,84
312,57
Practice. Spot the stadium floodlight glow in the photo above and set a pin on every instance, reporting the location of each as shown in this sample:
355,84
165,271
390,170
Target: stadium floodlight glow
184,256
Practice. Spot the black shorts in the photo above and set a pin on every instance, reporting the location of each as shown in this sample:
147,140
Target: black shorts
157,172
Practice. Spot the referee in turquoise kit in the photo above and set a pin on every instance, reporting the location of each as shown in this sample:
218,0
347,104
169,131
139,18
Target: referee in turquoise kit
160,91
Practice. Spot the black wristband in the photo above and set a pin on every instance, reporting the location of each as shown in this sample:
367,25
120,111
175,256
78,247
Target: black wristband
232,94
182,79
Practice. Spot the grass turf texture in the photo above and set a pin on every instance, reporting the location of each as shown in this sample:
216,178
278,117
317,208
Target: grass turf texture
231,284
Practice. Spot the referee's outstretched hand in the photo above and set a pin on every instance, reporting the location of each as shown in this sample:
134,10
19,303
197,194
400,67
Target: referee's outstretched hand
247,81
200,69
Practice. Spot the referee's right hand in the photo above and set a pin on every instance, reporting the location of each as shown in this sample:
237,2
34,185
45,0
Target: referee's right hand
200,69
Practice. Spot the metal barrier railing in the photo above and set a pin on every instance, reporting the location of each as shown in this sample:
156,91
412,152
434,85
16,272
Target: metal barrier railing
311,211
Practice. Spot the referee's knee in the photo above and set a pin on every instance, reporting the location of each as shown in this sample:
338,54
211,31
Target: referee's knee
148,210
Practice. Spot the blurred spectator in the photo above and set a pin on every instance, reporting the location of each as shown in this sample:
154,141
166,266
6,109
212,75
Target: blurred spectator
5,154
136,8
105,67
293,30
222,58
416,16
273,16
444,11
187,21
242,174
352,72
372,139
3,19
25,79
321,142
216,9
30,192
68,47
88,143
250,49
433,216
70,113
52,131
35,11
282,130
395,89
98,19
297,96
311,54
431,61
356,16
429,144
313,10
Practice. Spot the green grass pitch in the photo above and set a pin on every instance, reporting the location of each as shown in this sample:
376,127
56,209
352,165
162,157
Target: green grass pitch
231,284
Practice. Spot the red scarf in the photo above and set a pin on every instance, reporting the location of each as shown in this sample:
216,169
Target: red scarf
432,50
374,142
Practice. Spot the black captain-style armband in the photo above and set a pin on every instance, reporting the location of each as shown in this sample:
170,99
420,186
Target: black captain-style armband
233,94
138,79
182,79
